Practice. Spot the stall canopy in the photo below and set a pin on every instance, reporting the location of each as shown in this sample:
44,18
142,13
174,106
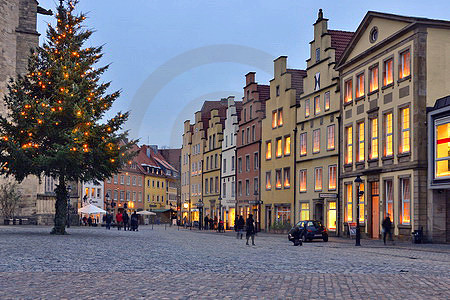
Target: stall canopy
146,213
91,209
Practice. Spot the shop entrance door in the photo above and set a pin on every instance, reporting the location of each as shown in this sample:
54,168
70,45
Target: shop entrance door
318,212
375,193
268,218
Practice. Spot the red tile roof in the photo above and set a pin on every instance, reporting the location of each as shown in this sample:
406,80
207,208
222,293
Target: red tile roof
339,41
297,81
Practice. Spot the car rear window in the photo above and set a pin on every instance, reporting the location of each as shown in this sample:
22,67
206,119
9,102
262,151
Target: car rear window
316,224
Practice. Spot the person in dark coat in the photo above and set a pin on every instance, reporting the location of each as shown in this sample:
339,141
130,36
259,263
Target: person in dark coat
211,224
134,222
250,226
125,219
108,221
206,225
387,226
90,221
240,227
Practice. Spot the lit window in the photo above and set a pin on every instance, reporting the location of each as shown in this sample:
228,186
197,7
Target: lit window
330,137
373,79
304,211
374,138
274,119
405,130
278,179
268,183
318,179
316,140
331,220
404,67
279,152
317,105
349,202
348,92
287,178
302,180
361,142
307,112
361,204
280,117
389,199
406,202
388,146
388,72
360,86
303,144
332,177
349,146
442,144
268,150
287,145
327,101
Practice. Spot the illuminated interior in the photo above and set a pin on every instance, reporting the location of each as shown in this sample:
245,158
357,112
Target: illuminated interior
388,149
374,140
279,148
280,117
361,204
304,211
361,142
405,65
406,202
349,154
360,86
287,145
274,119
390,200
269,150
327,101
405,147
268,183
388,72
318,179
332,178
348,95
331,219
316,145
278,179
317,105
349,199
287,176
303,144
443,150
307,112
303,181
373,86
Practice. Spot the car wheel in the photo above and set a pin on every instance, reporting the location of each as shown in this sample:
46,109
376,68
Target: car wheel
325,238
304,238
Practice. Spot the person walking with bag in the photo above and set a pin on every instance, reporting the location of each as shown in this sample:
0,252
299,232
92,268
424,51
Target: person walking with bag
387,226
250,226
240,227
125,219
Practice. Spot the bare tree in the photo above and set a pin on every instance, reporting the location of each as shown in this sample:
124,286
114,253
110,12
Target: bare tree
9,198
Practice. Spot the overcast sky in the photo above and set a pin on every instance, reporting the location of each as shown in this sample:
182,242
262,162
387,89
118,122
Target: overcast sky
168,56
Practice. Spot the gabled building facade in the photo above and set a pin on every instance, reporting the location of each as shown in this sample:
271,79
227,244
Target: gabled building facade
277,166
393,68
248,149
317,128
228,170
186,172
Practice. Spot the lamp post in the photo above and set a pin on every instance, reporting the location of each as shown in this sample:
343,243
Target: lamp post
107,202
358,182
220,207
200,218
69,189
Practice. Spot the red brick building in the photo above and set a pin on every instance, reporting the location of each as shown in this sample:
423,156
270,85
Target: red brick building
248,149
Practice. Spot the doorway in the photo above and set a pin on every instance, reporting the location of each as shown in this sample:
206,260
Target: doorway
375,217
318,212
268,218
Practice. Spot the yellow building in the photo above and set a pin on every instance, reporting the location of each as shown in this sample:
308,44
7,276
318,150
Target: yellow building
318,129
186,171
393,68
277,165
212,158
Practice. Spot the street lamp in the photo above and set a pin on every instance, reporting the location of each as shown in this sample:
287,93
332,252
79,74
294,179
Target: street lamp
69,189
358,182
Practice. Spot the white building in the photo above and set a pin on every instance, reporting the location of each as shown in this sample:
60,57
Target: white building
228,171
92,194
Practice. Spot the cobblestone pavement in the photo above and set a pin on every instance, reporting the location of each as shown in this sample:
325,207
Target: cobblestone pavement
172,263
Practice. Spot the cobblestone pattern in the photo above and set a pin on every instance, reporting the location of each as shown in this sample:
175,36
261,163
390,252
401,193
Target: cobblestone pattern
186,264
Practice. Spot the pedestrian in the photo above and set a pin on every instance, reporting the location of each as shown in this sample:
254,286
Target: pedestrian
108,220
240,227
125,219
387,226
211,223
215,223
221,224
85,221
90,221
119,220
134,222
206,222
250,226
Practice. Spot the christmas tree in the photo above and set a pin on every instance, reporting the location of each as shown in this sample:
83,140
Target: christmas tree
54,122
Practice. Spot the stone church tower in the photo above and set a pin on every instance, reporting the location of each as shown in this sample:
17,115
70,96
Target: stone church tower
18,35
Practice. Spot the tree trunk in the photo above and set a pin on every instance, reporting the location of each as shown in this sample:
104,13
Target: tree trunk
60,207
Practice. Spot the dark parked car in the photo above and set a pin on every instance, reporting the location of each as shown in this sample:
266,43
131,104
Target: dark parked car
307,231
